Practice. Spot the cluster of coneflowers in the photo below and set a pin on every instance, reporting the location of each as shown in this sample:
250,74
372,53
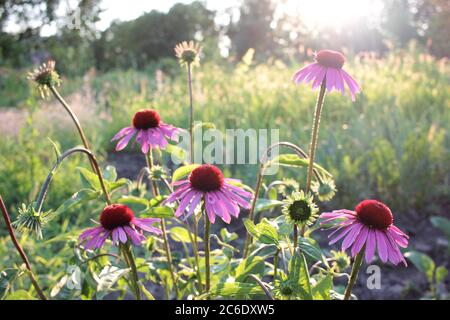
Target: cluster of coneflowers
364,231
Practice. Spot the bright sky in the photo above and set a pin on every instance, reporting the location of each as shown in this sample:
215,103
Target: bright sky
333,13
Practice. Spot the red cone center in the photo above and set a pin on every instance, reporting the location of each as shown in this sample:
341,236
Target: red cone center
330,59
116,215
206,178
146,119
374,214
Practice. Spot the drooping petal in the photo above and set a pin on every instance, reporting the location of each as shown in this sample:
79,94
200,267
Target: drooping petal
122,235
371,244
125,140
122,133
351,236
381,245
344,232
360,241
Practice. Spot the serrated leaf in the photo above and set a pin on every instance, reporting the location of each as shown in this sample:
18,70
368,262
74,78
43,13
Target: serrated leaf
183,171
157,212
266,204
252,265
180,234
89,179
264,231
294,160
299,274
311,249
322,290
77,198
422,262
229,289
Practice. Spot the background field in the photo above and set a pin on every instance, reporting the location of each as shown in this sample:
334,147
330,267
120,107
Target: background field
392,144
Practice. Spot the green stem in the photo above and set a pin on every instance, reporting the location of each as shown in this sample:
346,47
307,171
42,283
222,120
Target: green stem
314,138
75,121
315,134
207,253
275,265
167,250
354,275
129,258
191,112
20,250
296,236
44,189
248,239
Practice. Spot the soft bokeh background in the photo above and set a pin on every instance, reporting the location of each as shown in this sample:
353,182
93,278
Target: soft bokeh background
116,57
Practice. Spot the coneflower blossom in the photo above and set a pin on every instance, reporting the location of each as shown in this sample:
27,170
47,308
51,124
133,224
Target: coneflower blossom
370,226
150,132
328,68
118,223
220,196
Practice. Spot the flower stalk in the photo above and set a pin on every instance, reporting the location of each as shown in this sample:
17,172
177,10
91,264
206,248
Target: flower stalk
354,274
20,250
134,279
191,112
207,253
149,159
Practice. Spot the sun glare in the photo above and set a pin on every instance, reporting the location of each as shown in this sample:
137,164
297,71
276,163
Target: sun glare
332,13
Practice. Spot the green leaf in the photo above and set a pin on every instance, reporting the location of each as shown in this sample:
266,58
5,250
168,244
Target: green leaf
110,174
180,234
79,197
130,200
251,265
294,160
311,249
157,212
176,151
7,278
322,289
229,289
183,171
20,295
107,278
156,201
422,262
227,236
264,231
441,274
299,274
266,204
111,186
89,179
442,224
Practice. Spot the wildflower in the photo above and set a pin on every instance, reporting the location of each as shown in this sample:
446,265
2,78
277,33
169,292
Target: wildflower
118,223
371,227
188,52
324,190
299,208
328,69
45,77
288,187
150,131
287,289
219,195
29,220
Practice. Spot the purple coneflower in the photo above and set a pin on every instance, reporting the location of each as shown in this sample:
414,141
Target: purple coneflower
118,223
370,225
220,196
150,132
328,67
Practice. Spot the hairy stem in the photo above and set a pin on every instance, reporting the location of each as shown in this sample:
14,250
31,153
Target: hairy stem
354,275
167,250
75,121
20,250
191,112
207,253
129,258
44,189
